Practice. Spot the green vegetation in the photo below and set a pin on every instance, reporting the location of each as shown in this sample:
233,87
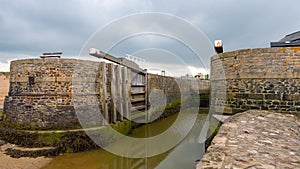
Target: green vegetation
34,128
49,138
175,102
204,96
203,110
172,104
214,128
69,150
109,135
123,127
17,126
206,77
2,116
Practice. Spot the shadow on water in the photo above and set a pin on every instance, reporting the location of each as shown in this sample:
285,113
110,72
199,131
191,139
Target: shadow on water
183,155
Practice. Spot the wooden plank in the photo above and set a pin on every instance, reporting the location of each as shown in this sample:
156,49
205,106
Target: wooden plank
125,62
128,96
119,93
138,93
125,92
138,107
100,80
138,100
138,115
104,93
113,93
53,53
133,78
146,97
137,85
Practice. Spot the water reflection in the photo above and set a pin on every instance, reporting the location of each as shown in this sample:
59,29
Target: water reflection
188,151
183,155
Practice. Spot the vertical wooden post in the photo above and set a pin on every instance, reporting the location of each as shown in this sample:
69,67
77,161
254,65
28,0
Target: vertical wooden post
125,91
128,91
146,97
120,96
113,93
104,93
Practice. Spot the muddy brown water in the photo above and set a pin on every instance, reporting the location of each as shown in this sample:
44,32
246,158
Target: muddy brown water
184,155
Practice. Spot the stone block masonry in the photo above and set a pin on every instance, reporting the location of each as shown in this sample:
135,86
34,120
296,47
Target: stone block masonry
4,87
179,88
50,98
169,85
51,93
42,92
263,79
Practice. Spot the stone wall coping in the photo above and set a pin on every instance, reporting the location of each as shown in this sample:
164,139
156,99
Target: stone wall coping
256,51
220,118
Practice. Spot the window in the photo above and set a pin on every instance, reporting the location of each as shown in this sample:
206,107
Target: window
31,80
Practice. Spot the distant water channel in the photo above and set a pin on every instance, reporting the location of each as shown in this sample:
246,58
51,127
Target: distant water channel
184,155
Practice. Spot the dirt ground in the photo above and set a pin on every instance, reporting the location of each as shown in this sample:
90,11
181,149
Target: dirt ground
7,162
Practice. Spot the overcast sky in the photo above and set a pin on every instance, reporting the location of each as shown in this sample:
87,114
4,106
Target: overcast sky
29,28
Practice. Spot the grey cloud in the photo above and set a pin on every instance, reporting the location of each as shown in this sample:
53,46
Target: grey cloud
33,26
239,23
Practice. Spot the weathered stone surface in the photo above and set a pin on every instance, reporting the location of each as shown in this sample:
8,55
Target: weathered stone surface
52,93
174,88
255,139
48,100
4,87
263,78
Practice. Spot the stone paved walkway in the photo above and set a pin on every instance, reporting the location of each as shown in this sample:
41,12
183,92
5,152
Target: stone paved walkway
255,139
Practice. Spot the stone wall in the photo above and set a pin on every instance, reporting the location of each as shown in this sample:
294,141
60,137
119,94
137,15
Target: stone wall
167,85
4,87
178,88
41,91
55,93
264,79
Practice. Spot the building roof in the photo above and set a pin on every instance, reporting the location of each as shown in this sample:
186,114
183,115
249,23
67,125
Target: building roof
292,39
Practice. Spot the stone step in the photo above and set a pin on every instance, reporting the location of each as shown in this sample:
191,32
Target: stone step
2,142
18,152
